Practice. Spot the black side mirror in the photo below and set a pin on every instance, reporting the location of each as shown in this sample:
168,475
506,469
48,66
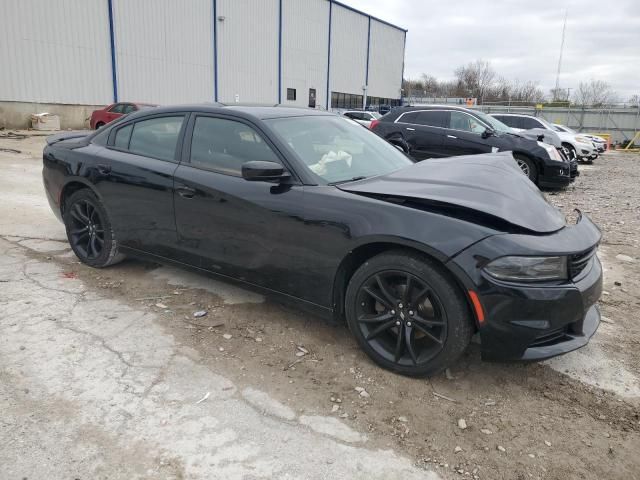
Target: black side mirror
488,133
261,171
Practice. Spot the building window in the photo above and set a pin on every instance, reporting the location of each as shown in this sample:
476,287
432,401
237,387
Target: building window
345,100
291,94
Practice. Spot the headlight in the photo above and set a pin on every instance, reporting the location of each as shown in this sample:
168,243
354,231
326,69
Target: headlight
551,151
528,269
583,140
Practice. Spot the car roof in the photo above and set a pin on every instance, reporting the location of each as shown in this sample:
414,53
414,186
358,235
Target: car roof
433,107
261,112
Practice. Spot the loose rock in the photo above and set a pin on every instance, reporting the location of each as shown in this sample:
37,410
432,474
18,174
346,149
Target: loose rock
462,424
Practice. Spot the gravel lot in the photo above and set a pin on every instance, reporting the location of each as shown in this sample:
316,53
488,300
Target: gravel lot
101,370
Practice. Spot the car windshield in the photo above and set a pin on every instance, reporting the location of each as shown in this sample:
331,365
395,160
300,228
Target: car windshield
496,124
562,128
337,149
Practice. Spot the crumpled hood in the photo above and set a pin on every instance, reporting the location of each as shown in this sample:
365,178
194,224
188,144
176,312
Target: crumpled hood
489,183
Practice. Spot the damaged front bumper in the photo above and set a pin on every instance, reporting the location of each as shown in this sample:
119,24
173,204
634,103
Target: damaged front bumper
528,321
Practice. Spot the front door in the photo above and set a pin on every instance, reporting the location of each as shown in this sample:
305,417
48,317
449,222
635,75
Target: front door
226,224
464,135
312,98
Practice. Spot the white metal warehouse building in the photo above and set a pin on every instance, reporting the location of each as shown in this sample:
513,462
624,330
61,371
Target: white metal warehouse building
95,52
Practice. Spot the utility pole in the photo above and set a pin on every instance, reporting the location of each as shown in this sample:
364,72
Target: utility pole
564,27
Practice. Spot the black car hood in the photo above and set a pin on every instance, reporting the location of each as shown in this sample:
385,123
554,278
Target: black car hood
489,184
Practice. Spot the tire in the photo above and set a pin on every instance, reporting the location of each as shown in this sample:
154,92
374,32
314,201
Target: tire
527,166
99,125
571,149
89,230
432,326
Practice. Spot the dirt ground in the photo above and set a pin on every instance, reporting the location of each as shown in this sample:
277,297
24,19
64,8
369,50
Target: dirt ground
574,417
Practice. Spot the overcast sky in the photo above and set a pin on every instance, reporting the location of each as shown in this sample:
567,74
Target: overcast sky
520,38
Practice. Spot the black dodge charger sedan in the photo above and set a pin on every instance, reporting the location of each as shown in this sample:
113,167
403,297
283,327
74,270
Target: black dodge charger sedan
435,131
312,208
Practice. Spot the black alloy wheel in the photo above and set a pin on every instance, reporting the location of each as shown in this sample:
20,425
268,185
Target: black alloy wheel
86,231
406,315
89,230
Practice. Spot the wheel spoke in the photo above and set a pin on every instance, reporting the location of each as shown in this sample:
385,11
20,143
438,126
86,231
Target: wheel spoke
93,246
385,291
379,329
79,231
374,318
76,212
408,339
421,294
378,297
427,322
428,333
406,298
399,343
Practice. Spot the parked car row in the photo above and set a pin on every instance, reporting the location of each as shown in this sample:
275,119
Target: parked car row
312,208
583,146
434,131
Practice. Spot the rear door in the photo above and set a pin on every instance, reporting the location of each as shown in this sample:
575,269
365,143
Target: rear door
423,130
464,135
134,176
115,112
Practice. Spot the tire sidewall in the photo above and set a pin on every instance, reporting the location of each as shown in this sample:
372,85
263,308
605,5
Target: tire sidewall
457,314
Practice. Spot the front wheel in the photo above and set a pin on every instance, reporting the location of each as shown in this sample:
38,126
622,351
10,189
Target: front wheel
527,166
89,230
406,314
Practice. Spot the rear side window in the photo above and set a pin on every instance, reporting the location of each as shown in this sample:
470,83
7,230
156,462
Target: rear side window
156,137
513,122
117,108
433,119
224,145
121,139
530,122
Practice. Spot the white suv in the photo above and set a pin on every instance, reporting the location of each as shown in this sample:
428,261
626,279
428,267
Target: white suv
581,145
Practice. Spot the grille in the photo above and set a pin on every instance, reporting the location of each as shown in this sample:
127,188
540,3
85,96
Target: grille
579,261
549,338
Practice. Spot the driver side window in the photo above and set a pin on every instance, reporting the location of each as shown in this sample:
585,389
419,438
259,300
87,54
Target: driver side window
466,123
224,145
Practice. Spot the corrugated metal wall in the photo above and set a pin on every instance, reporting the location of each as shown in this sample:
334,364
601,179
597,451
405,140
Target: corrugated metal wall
248,51
55,51
349,32
59,51
164,50
386,58
305,40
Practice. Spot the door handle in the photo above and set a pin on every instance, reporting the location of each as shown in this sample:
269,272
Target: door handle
411,129
186,192
104,169
451,136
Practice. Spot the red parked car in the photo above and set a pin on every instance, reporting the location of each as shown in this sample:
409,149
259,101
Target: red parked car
113,111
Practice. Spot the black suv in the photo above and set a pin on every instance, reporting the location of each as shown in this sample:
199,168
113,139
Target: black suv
446,131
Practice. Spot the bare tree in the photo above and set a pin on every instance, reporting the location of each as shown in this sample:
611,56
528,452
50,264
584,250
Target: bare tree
594,92
476,78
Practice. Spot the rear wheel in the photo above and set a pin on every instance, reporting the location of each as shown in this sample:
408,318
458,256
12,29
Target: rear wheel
406,314
527,166
89,230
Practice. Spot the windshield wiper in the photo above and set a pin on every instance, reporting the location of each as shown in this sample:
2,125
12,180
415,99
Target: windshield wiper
361,177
